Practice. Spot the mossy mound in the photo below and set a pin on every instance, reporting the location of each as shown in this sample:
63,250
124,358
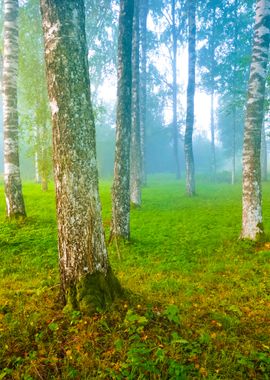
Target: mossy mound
94,292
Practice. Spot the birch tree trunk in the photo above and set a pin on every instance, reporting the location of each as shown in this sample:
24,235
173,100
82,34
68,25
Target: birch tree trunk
174,93
135,149
234,88
144,13
252,226
120,225
13,186
86,278
190,175
37,176
213,145
213,42
233,142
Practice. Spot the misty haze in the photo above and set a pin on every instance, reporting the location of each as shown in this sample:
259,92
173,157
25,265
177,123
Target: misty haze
134,189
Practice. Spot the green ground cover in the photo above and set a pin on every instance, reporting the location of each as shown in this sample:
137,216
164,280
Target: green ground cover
197,303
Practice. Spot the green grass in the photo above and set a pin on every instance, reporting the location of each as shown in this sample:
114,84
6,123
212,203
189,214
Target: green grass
198,304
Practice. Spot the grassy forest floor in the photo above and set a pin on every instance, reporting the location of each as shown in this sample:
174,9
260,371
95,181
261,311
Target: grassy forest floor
198,304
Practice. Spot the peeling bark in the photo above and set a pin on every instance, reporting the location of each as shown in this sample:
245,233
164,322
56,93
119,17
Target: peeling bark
86,278
252,227
120,225
135,148
12,178
190,175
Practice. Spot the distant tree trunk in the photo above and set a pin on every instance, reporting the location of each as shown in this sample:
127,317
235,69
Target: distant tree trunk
37,177
175,90
13,186
44,184
213,146
43,162
264,155
144,13
233,143
190,175
212,121
234,89
252,226
120,226
135,158
86,278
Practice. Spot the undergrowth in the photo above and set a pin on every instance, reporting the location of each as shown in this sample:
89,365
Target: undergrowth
198,304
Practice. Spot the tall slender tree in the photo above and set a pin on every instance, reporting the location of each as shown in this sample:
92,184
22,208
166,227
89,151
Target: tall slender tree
13,186
32,95
234,69
120,225
252,226
86,278
211,15
175,89
233,72
144,9
212,91
172,14
135,148
190,175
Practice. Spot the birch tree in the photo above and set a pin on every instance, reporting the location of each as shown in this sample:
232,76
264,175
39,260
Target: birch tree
211,26
87,281
190,176
120,225
135,151
252,226
144,9
13,186
33,97
175,38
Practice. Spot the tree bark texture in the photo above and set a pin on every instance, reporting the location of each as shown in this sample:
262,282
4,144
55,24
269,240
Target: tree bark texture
120,225
13,186
252,226
190,174
135,148
144,8
174,94
86,278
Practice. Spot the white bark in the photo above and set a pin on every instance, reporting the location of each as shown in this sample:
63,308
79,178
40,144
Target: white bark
86,277
13,188
135,148
120,225
252,226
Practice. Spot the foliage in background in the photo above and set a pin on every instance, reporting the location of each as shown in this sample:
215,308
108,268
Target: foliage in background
33,99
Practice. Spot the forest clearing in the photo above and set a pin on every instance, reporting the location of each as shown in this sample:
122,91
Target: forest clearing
197,303
134,192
